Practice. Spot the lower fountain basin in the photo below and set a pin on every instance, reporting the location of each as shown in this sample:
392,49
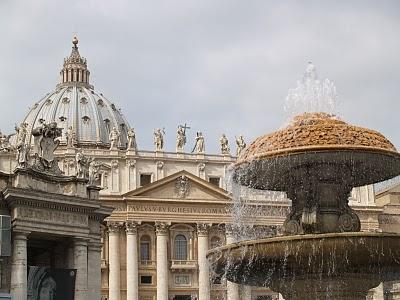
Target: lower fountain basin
323,266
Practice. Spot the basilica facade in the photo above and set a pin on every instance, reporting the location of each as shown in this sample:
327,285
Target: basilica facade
162,210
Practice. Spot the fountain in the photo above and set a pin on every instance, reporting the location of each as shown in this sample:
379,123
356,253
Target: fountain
317,159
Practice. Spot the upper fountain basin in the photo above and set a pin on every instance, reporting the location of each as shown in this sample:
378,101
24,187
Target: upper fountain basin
317,139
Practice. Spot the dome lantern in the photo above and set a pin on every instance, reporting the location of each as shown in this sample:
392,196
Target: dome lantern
75,68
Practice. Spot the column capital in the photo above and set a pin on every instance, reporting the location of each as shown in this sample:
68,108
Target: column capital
202,228
95,246
80,242
131,227
20,235
161,228
114,226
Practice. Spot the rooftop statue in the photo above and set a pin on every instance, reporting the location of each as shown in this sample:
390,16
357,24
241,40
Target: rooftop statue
45,143
114,138
241,144
181,138
22,147
71,137
131,136
159,139
224,145
199,145
82,165
5,144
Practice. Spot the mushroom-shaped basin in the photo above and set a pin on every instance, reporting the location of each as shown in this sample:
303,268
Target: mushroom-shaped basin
314,141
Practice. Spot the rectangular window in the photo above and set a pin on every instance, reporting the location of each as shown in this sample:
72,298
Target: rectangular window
144,251
145,179
146,279
214,180
182,279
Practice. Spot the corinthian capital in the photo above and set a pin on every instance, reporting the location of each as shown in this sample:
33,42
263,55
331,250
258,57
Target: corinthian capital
131,227
161,228
202,229
114,226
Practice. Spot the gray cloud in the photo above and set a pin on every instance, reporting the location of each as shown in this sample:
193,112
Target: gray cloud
222,66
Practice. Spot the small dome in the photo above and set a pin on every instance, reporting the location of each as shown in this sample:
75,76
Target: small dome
75,104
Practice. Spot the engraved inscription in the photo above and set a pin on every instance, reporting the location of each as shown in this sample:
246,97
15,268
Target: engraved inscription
55,217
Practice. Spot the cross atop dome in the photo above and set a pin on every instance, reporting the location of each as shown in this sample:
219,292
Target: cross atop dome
75,69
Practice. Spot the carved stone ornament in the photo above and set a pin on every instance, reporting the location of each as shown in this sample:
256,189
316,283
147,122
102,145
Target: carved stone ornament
114,226
45,143
114,164
161,228
202,167
182,186
69,163
202,229
131,227
131,163
160,165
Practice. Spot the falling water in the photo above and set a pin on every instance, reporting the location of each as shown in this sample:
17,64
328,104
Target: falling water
247,206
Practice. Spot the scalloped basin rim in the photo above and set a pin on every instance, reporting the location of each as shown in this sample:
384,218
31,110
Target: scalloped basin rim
304,237
318,148
267,262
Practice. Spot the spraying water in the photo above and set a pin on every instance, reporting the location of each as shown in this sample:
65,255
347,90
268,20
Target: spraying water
312,95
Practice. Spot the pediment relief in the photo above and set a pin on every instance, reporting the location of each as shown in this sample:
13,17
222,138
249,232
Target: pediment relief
182,185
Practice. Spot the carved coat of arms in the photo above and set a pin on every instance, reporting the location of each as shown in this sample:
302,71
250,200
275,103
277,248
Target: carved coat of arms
182,186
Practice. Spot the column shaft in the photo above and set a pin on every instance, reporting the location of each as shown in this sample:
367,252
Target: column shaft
162,261
81,266
204,272
94,271
19,272
114,263
246,292
232,288
132,258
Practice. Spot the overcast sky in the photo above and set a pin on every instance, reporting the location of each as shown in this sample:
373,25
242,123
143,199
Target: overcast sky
222,66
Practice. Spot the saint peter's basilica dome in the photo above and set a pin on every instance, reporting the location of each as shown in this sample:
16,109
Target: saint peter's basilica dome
74,103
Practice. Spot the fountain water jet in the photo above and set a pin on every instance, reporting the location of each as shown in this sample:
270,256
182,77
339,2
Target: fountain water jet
317,159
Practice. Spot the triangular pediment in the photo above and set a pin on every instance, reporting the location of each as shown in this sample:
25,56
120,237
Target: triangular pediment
181,185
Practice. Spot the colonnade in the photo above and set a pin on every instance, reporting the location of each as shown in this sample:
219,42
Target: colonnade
132,259
85,258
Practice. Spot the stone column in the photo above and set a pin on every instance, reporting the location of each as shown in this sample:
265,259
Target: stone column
246,292
94,270
132,284
113,260
232,288
19,272
204,272
162,261
81,266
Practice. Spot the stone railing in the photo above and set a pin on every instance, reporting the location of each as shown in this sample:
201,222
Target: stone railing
148,264
184,264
